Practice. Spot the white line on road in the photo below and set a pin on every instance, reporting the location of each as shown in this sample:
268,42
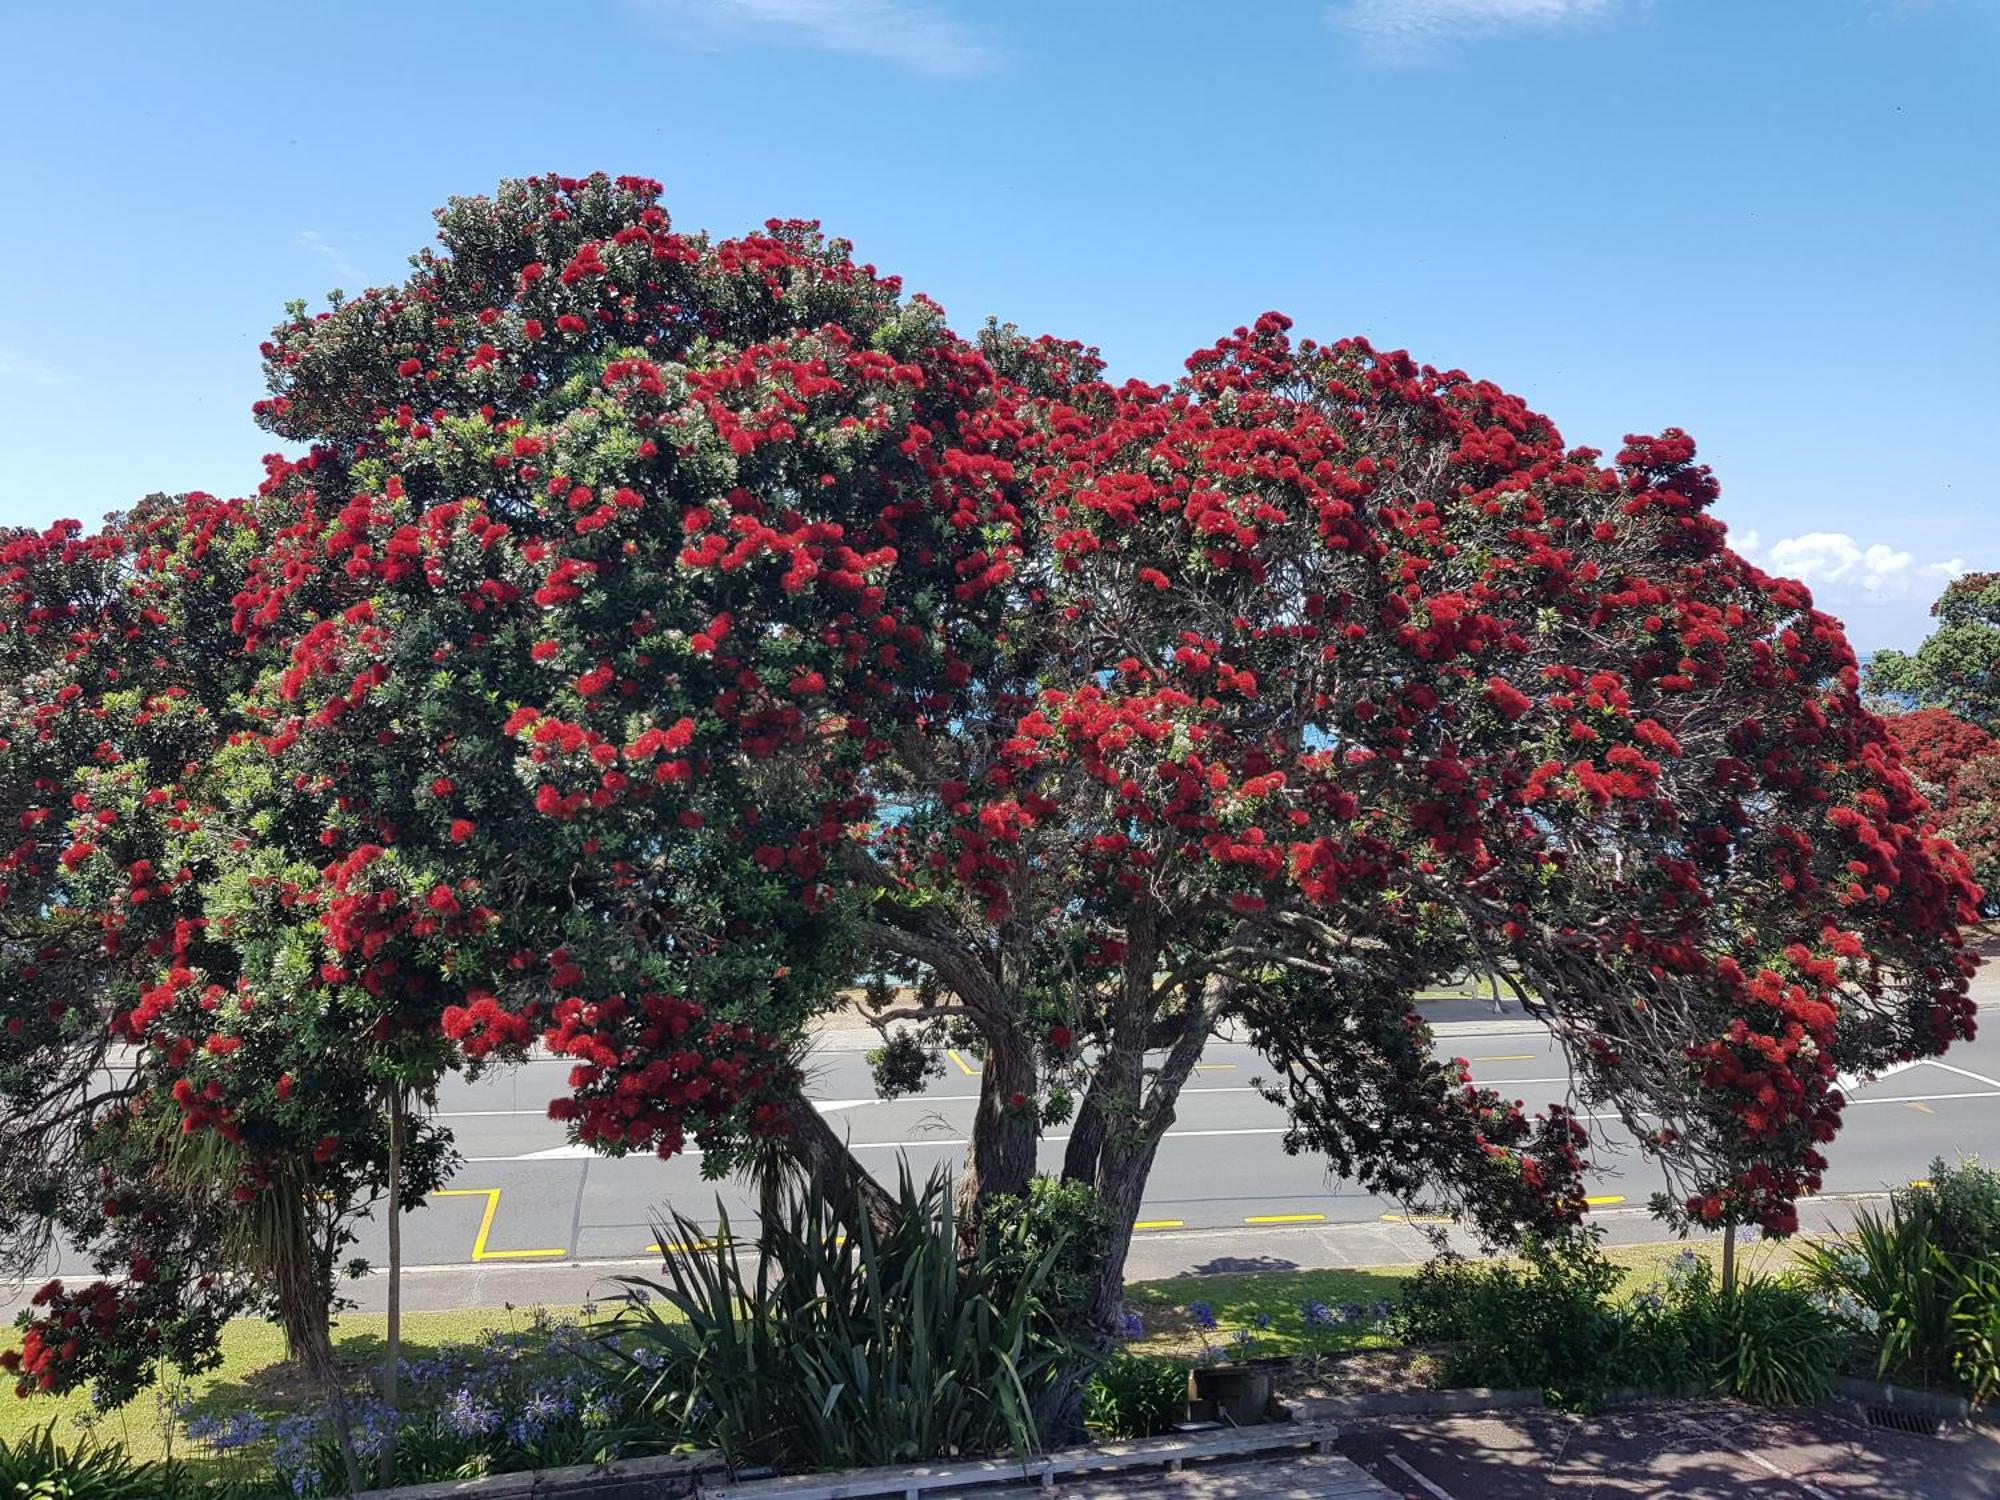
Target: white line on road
826,1104
1438,1491
1770,1468
573,1152
1993,1083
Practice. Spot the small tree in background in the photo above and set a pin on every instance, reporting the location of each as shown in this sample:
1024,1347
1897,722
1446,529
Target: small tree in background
1958,665
660,634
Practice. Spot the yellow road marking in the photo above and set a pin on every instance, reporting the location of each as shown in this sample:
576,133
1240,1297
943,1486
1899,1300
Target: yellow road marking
1920,1107
1503,1057
479,1250
1416,1218
963,1066
1285,1219
1160,1224
1215,1067
1606,1198
1920,1182
680,1248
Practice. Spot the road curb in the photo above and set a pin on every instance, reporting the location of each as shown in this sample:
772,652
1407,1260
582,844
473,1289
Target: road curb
1439,1403
1942,1406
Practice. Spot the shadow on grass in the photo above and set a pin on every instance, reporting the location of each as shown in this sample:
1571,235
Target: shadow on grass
283,1387
1270,1305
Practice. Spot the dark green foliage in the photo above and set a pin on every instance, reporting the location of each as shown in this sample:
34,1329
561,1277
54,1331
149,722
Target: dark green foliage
36,1467
1554,1325
1544,1325
841,1343
1921,1284
1066,1218
1767,1341
1135,1396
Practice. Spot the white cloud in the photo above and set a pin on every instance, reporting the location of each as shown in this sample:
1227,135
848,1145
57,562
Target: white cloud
14,366
909,33
335,256
1409,31
1839,570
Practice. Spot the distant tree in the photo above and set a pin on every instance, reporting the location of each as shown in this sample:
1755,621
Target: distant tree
1937,746
1958,665
659,635
1971,820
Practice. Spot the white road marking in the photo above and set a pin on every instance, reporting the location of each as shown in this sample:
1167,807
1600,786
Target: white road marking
1770,1468
1992,1093
823,1104
564,1153
1992,1083
480,1114
1437,1490
1851,1081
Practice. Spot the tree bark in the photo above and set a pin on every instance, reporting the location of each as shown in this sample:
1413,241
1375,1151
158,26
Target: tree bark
825,1159
1006,1132
303,1300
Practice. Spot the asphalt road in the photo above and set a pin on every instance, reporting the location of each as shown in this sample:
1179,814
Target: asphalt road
530,1218
1223,1193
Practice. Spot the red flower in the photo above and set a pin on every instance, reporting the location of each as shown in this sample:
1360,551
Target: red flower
1507,698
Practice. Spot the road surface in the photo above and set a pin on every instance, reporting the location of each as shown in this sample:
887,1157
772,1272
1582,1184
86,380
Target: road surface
1223,1194
530,1218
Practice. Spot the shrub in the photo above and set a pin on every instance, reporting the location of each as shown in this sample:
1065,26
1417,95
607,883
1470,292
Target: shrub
36,1467
1921,1284
1553,1325
1975,1330
843,1343
1769,1342
1135,1396
1544,1325
1063,1222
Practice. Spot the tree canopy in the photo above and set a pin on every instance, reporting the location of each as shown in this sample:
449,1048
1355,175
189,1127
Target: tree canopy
1957,667
659,636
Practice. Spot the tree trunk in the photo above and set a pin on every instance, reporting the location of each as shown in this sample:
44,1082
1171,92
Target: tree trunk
299,1280
825,1158
304,1305
1005,1133
394,1356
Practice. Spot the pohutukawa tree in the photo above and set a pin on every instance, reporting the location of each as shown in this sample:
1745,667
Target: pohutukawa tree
658,636
1957,767
204,1135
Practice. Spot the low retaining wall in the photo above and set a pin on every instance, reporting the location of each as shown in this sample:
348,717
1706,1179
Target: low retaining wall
670,1478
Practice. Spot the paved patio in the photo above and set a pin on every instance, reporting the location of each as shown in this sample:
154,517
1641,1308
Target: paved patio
1307,1478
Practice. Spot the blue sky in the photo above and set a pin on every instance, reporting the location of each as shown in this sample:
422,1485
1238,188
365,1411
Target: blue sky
1772,222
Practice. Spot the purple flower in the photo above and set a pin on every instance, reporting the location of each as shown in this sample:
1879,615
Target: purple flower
466,1417
1130,1324
1201,1315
